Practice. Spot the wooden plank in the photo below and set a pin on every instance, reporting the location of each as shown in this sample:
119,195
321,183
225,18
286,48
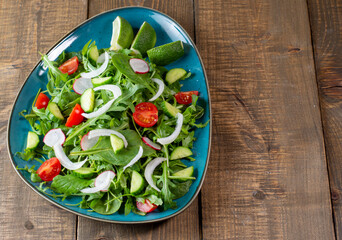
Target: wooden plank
184,226
326,26
267,176
27,27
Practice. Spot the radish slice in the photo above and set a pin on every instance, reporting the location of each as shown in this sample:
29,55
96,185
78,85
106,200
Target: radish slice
139,65
82,84
174,135
99,111
102,58
151,144
150,169
135,159
102,182
64,160
53,137
106,133
98,71
110,87
87,143
160,90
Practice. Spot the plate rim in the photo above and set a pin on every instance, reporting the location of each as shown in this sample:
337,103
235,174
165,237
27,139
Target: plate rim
210,126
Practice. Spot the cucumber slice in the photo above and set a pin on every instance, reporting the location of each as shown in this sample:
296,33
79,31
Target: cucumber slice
88,100
170,110
174,75
54,113
99,81
32,140
180,152
186,173
93,53
84,172
117,143
137,182
166,54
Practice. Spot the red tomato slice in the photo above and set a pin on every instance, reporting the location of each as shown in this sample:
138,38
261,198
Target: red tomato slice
146,114
75,116
185,97
49,169
42,101
146,207
70,66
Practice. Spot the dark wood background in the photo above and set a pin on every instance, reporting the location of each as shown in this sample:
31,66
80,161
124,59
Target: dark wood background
275,76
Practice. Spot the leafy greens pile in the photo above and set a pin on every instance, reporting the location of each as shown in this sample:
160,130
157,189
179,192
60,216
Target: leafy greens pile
136,88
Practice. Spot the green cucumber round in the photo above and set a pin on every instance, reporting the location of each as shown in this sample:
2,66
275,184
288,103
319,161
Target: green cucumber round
180,152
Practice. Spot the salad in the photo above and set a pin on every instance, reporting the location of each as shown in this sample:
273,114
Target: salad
113,126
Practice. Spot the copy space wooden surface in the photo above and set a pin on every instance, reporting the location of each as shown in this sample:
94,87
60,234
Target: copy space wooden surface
268,176
326,26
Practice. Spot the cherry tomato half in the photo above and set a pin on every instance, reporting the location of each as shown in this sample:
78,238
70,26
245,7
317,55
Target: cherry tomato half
42,101
146,114
70,66
49,169
146,207
75,116
185,97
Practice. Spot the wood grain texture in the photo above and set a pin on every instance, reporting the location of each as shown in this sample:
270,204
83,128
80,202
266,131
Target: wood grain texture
326,26
267,177
27,27
186,225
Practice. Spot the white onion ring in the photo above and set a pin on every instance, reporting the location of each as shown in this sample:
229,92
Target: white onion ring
160,90
110,87
99,111
98,71
174,135
106,133
150,169
64,160
135,159
116,92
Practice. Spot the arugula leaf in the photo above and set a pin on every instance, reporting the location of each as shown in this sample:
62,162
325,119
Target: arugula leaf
69,184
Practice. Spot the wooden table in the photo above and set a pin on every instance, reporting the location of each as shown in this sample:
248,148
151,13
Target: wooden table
275,76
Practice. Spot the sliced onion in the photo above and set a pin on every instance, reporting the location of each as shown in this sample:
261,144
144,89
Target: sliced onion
64,160
110,87
82,84
102,58
98,71
150,169
174,135
135,159
87,143
106,133
102,182
139,66
116,92
160,90
151,144
53,137
99,111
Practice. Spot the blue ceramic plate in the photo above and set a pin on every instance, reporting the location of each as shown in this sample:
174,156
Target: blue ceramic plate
99,28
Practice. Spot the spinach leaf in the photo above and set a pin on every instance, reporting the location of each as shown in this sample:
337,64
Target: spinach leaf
107,204
69,184
180,189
